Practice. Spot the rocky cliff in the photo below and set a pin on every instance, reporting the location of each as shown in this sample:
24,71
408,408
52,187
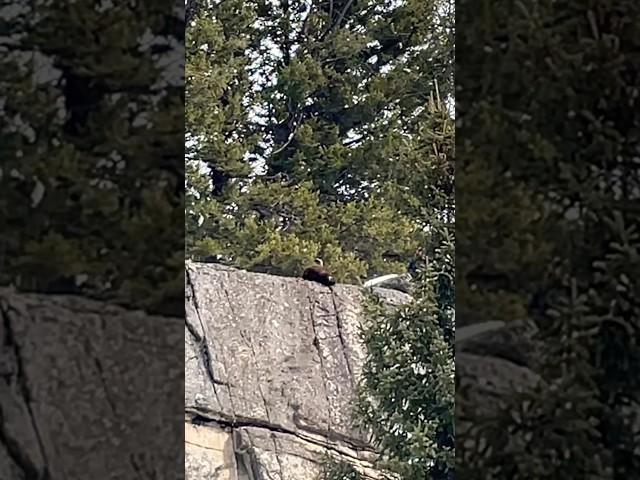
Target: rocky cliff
87,390
270,369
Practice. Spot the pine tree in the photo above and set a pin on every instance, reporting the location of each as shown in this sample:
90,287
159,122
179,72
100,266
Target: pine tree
408,386
352,80
215,119
344,151
332,107
571,141
92,162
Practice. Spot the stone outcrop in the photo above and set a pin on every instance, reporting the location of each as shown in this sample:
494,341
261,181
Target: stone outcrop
271,365
490,368
87,390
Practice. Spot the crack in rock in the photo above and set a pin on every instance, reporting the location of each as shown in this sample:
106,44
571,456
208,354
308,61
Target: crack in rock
14,448
316,344
342,340
238,424
254,358
201,340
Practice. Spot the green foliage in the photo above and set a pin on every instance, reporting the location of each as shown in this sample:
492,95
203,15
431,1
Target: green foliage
354,239
311,143
335,470
407,392
549,98
215,120
354,90
321,131
92,155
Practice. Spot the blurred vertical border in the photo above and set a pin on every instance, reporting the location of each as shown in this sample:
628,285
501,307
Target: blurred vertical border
547,239
92,239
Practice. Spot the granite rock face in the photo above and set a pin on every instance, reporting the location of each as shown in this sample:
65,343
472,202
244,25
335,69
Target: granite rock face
271,365
87,390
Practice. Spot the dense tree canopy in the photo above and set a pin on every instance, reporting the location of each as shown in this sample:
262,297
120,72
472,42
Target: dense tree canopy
310,133
92,171
549,190
322,129
408,391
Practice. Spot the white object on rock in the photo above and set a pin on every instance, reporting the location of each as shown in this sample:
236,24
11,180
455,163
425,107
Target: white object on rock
470,331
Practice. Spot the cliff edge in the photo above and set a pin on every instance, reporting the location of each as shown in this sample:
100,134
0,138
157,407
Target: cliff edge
271,365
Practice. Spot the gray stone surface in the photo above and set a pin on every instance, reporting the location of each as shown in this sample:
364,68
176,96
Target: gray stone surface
270,365
270,369
491,369
86,390
514,342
